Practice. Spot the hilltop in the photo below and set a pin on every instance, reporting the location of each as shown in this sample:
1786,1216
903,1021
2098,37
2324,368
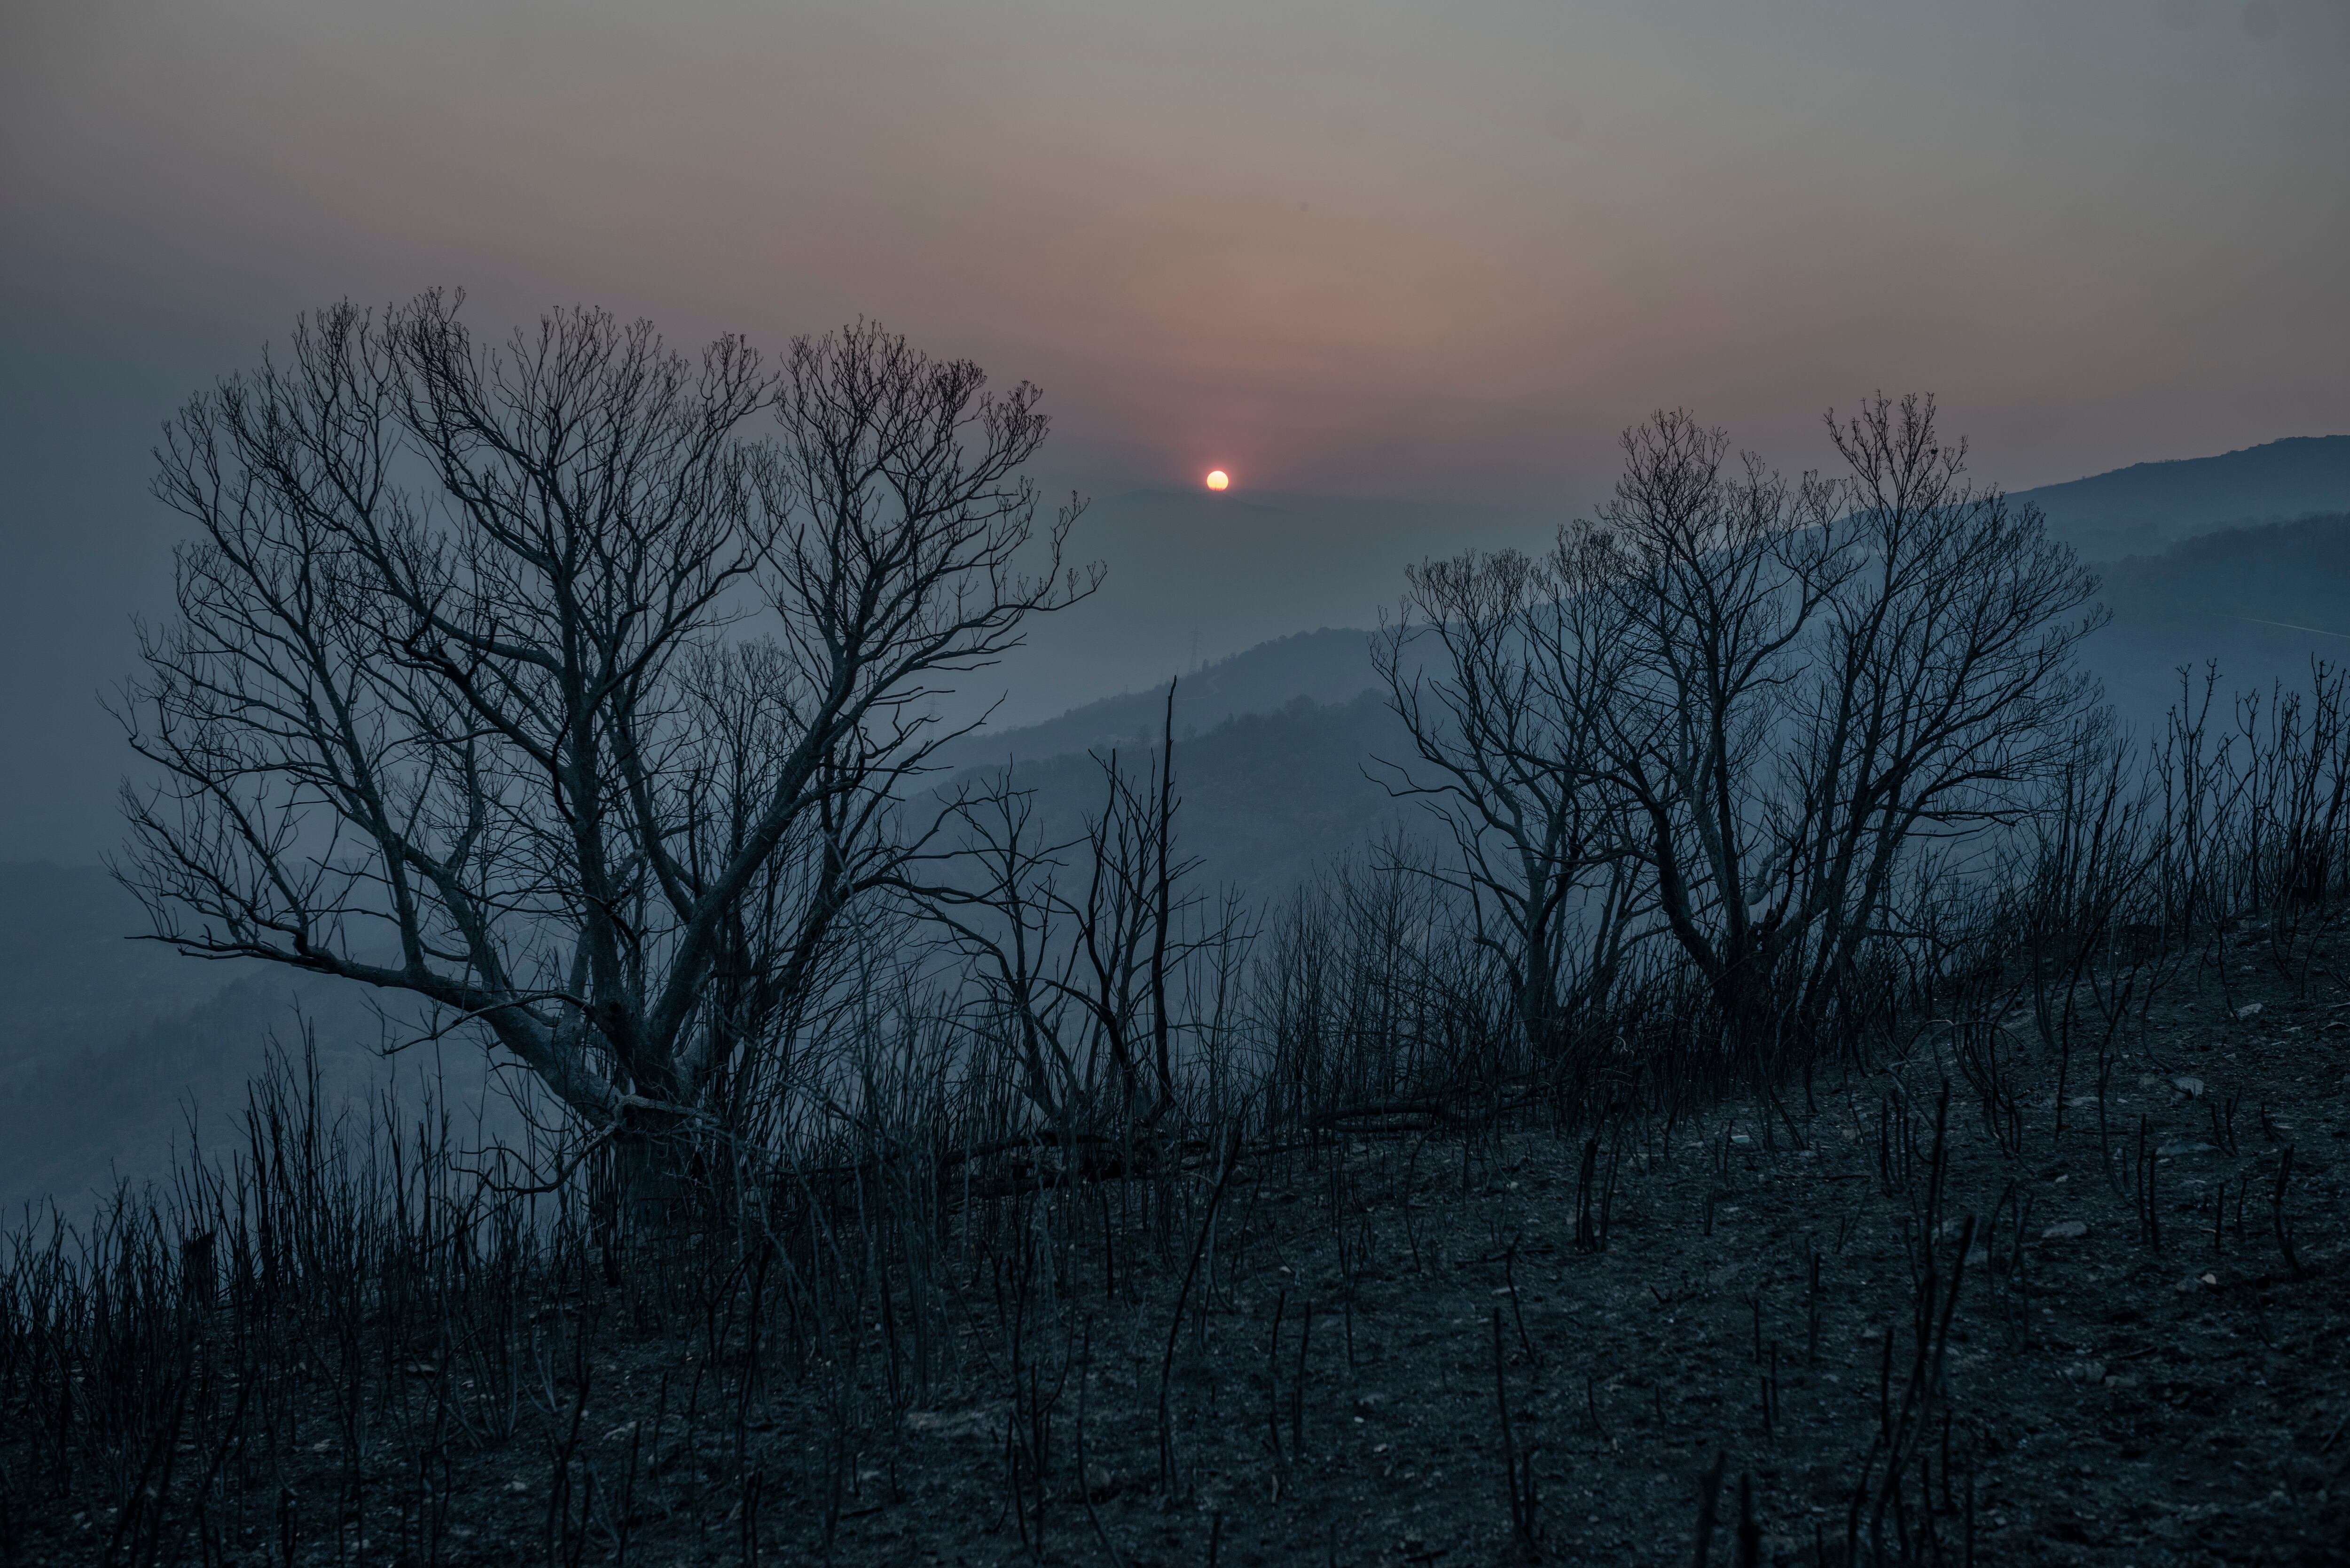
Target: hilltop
2142,509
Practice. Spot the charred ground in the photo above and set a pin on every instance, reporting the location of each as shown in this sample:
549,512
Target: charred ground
2134,1359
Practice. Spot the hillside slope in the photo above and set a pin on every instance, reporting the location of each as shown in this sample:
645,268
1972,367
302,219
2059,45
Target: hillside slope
1270,792
2262,603
1327,666
1266,797
2141,509
110,1045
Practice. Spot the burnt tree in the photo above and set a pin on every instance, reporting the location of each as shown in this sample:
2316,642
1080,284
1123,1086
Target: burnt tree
552,684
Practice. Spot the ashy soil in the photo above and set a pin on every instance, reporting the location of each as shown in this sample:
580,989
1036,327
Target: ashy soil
2127,1379
2111,1398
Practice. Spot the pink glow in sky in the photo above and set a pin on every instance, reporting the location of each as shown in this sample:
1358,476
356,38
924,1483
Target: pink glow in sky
1425,257
1362,248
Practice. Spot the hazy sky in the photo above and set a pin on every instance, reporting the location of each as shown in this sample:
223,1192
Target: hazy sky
1428,253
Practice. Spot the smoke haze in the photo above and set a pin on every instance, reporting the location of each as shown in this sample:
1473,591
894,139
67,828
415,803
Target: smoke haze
1432,257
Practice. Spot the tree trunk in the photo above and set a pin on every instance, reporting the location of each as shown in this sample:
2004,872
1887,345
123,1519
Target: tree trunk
649,1188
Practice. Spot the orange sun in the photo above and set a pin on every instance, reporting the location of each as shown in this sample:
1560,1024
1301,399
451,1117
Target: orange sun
1218,479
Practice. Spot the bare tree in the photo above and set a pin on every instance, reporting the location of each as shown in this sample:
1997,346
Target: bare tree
1822,678
1713,570
529,680
1494,665
1731,710
1078,950
1946,696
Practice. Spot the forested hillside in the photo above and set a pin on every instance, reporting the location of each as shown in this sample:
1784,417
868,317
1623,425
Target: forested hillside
2144,508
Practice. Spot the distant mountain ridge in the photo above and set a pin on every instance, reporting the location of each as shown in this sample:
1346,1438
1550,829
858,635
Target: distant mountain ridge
2147,506
1329,666
2294,573
1266,798
2139,512
1272,794
2261,602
